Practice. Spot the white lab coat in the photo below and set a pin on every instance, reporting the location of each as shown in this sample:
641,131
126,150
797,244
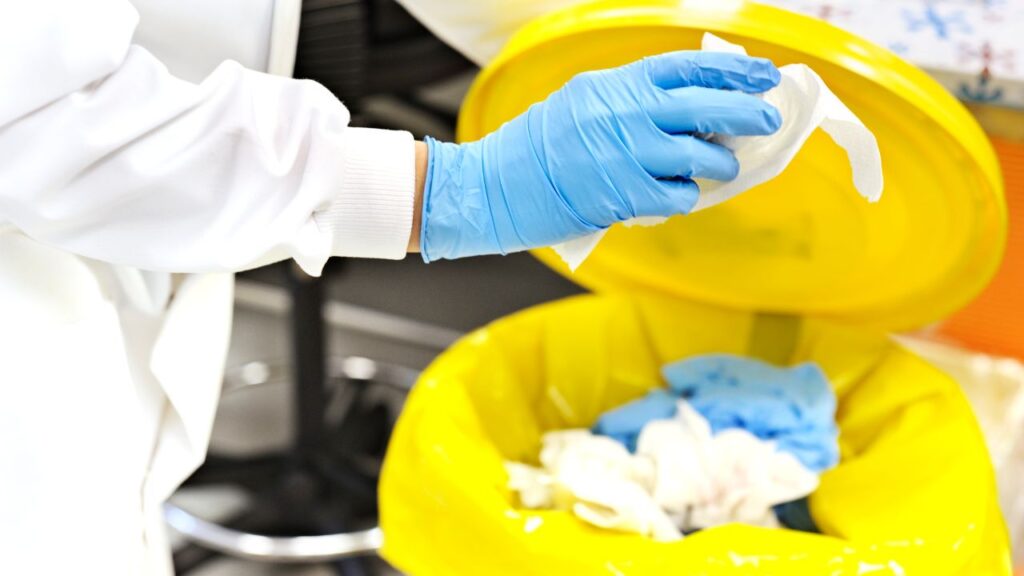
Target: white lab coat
115,173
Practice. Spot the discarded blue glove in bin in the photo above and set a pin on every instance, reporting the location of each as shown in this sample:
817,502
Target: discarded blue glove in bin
625,422
793,407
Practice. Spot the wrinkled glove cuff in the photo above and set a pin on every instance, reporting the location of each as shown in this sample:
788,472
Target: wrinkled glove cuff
458,219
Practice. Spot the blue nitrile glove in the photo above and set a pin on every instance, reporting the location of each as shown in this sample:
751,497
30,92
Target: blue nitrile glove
608,146
625,422
793,407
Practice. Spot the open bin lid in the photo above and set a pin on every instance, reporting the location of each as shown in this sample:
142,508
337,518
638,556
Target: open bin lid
804,243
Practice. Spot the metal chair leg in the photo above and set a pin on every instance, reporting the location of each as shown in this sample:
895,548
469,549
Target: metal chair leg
273,548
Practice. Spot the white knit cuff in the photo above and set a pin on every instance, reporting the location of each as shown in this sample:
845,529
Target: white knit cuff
371,216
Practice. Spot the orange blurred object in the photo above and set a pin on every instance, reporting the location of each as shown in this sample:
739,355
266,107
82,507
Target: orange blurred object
994,321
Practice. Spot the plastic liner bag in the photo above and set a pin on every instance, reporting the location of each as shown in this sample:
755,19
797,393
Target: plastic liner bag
995,388
914,492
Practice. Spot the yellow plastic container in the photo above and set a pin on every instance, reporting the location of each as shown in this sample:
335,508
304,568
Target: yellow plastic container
798,269
914,493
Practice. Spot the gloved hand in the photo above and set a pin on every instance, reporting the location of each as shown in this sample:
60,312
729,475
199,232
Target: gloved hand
608,146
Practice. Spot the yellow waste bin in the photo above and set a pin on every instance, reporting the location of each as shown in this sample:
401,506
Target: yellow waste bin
799,269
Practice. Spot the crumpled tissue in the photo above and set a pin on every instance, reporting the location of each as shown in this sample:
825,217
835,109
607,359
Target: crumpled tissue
681,478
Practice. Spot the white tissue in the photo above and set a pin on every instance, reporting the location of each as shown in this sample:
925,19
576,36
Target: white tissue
680,448
681,478
748,477
598,479
805,103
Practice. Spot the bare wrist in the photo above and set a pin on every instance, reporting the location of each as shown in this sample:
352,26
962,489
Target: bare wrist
417,211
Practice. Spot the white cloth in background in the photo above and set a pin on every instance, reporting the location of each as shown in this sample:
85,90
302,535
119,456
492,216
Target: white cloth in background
681,478
479,29
805,103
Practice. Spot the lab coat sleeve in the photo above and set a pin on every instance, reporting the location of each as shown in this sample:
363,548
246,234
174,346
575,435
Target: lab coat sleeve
111,157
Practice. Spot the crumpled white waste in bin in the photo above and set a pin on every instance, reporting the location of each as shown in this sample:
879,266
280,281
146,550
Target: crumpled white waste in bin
681,478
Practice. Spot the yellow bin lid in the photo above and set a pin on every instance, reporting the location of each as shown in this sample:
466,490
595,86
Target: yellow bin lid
804,243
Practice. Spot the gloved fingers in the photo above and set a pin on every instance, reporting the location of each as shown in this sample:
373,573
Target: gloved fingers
684,156
711,70
674,196
707,110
